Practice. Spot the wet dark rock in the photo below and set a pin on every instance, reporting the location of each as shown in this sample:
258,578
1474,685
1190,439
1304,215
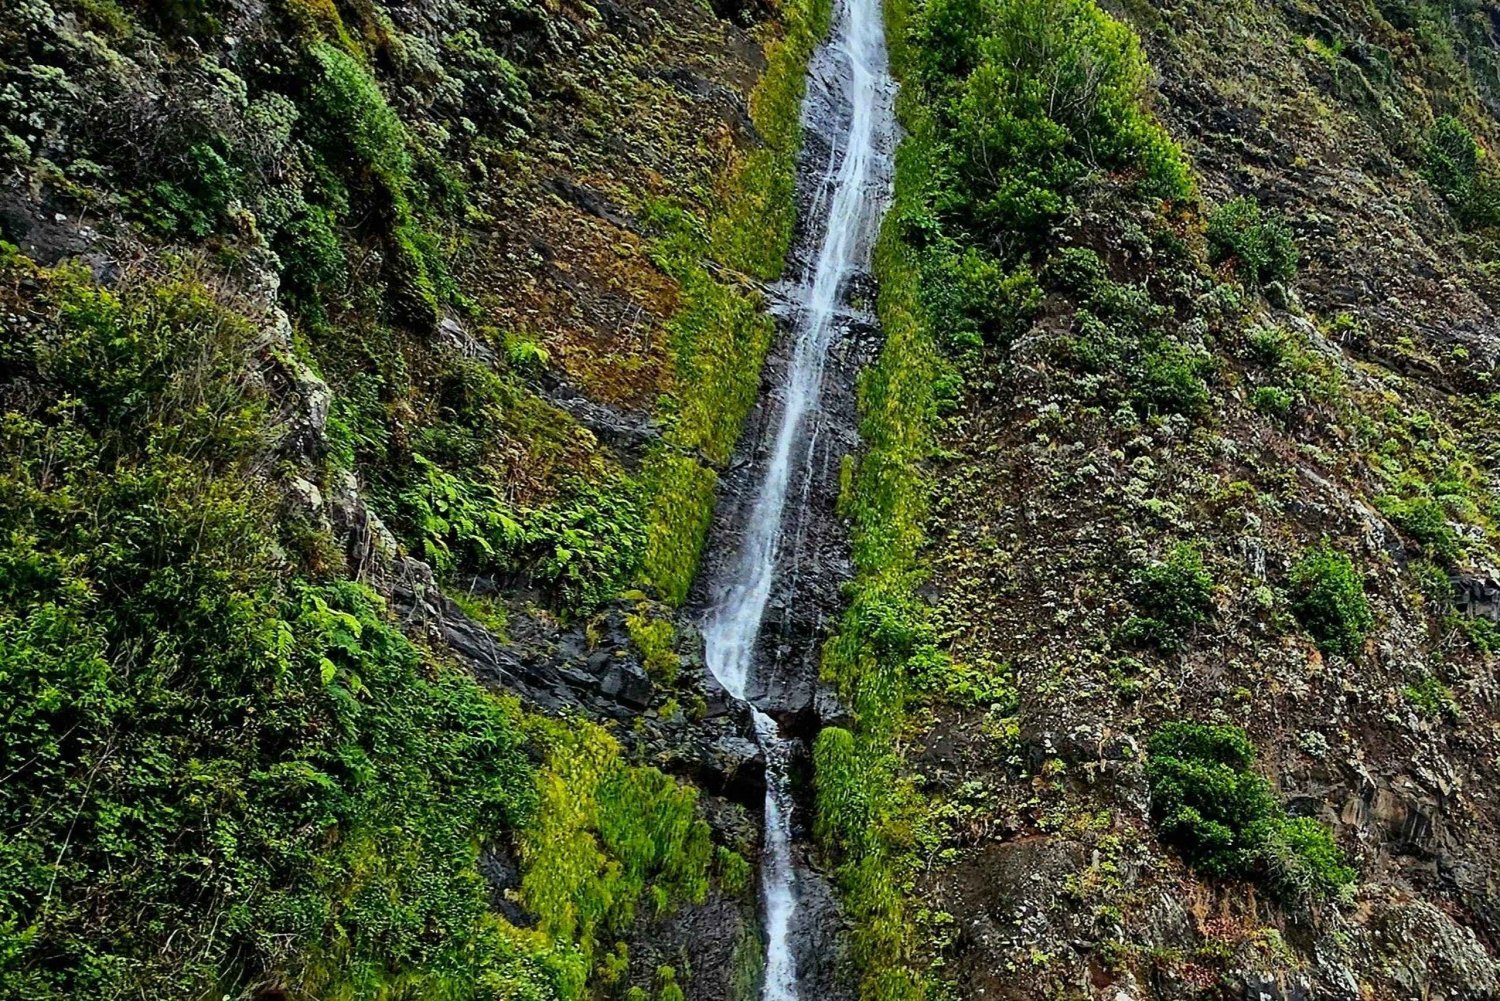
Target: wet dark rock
730,105
502,870
1477,595
1263,987
718,941
597,672
629,431
456,336
820,940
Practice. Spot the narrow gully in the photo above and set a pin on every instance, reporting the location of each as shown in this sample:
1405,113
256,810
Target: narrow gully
844,185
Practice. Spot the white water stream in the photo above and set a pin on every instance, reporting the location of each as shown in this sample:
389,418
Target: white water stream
859,127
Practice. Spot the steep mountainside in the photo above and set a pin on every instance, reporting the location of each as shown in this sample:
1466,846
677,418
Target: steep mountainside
1221,468
310,310
371,373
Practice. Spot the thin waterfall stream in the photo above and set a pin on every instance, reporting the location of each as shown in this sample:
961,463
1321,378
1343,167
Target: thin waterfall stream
849,112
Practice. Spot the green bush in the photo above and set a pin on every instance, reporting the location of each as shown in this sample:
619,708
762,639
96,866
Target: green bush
1033,96
215,769
1453,165
586,545
1173,596
1423,520
1225,819
221,773
1261,245
1328,598
1273,401
1433,697
973,300
1167,380
355,118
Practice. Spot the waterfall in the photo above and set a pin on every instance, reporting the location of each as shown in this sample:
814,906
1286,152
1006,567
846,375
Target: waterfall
849,107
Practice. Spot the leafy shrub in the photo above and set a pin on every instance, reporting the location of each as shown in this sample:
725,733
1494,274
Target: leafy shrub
974,300
1033,95
1328,598
588,545
1423,520
1453,166
312,259
1273,401
1298,859
606,835
1433,697
654,638
1174,595
199,199
1224,818
1261,245
458,520
1168,381
356,118
220,745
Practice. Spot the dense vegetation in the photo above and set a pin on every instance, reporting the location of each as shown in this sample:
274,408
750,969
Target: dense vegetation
221,766
1010,107
1138,467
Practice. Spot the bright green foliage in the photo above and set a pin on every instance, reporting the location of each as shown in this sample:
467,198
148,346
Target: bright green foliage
588,545
1226,820
1169,380
1273,401
1299,860
1174,595
1423,520
352,107
198,202
973,300
219,770
1118,328
654,638
680,506
1260,244
1032,97
719,328
458,520
668,988
585,546
606,836
733,870
1434,698
1328,597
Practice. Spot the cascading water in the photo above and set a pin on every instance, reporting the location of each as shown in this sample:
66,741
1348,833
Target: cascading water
850,82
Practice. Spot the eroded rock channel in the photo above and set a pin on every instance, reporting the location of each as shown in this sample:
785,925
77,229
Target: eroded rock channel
770,586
